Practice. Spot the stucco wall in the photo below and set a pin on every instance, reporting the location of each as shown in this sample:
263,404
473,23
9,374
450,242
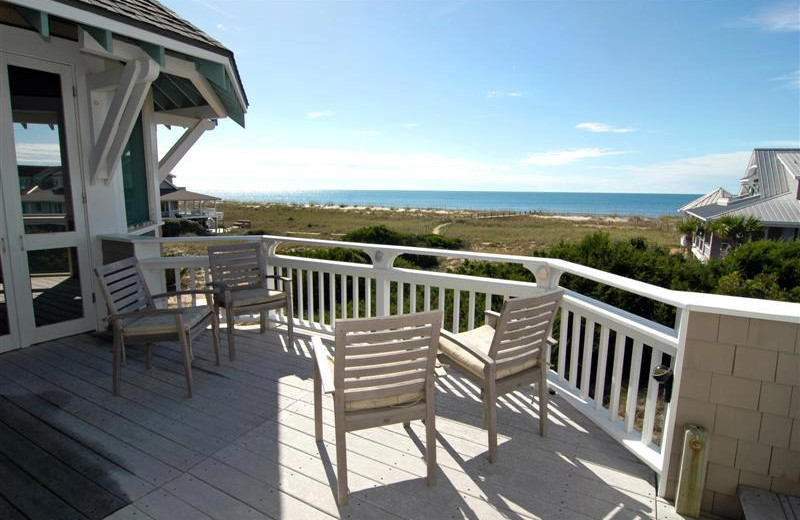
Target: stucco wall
741,381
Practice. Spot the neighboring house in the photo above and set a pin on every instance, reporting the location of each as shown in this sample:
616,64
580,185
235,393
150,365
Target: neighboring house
178,202
770,192
83,86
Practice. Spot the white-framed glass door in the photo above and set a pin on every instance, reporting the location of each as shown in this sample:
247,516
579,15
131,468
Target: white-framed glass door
42,192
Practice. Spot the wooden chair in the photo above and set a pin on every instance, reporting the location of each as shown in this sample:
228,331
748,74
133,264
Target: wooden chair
134,316
506,353
382,373
239,280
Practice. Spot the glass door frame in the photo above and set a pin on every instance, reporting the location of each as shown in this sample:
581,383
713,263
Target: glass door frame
18,242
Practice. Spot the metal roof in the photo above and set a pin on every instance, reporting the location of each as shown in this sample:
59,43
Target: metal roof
708,198
182,194
772,174
791,161
776,203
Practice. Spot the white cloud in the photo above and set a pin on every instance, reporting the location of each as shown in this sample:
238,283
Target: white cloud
319,114
562,157
259,168
687,175
38,154
411,125
499,93
604,128
791,80
784,17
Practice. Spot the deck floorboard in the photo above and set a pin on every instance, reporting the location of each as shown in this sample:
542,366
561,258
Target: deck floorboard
243,446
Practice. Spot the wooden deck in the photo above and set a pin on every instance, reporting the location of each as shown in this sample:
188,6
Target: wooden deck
243,447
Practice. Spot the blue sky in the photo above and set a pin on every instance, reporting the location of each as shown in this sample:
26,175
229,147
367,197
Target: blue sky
647,96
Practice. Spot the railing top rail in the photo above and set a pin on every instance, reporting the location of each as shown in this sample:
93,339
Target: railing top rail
700,302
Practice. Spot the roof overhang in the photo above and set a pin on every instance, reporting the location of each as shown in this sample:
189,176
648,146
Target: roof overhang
105,34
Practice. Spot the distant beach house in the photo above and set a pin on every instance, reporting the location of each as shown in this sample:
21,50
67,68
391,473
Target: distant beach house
178,202
770,192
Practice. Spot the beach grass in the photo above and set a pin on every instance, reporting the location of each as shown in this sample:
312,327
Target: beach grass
515,234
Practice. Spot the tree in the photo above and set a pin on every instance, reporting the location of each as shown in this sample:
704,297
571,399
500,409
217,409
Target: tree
738,229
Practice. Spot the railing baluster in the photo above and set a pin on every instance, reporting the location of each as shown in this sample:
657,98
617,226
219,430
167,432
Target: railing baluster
441,299
343,279
456,310
562,341
332,298
586,369
574,349
193,284
427,298
471,311
356,296
176,272
321,296
310,295
300,295
633,385
400,298
651,401
368,295
412,297
600,381
616,376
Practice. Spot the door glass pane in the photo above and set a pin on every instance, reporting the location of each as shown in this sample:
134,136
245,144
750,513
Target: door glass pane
3,305
44,179
55,285
134,178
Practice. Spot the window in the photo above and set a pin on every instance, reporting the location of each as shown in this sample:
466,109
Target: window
134,178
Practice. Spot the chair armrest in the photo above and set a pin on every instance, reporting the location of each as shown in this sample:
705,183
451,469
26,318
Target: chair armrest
140,313
286,279
478,354
320,355
491,318
179,293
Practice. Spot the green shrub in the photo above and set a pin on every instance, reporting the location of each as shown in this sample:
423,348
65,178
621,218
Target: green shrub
181,227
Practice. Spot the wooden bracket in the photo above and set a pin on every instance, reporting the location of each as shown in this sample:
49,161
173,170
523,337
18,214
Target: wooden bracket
182,145
134,84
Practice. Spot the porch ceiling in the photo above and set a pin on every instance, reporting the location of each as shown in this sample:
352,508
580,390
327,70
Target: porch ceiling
243,446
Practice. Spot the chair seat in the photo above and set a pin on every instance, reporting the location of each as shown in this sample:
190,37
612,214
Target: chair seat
251,297
481,340
165,323
381,402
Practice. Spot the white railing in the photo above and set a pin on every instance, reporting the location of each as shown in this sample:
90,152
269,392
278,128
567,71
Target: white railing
594,339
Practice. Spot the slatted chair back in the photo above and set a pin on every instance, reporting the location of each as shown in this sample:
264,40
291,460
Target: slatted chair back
378,359
523,328
124,287
238,266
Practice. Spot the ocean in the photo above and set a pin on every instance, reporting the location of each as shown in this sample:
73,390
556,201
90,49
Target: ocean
643,204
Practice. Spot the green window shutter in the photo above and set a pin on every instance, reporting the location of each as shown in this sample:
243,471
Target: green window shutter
134,178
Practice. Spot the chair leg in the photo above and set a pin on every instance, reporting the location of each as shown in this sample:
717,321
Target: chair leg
215,335
490,397
317,404
119,346
187,360
262,319
231,344
430,443
341,462
544,400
